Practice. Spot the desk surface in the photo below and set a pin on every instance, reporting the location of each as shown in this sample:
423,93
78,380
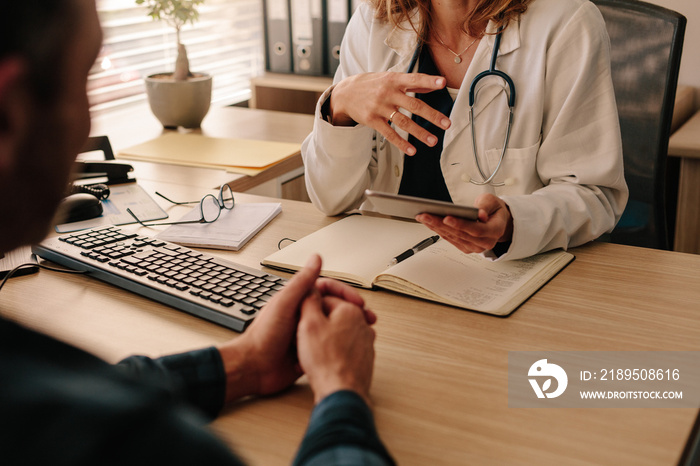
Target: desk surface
440,384
137,125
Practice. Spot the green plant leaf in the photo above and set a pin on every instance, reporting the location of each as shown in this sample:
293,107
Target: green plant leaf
176,12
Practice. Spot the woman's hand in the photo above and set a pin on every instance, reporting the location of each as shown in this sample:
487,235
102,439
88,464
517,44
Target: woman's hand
373,99
495,225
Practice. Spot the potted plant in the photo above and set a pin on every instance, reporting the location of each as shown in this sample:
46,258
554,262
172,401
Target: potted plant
181,98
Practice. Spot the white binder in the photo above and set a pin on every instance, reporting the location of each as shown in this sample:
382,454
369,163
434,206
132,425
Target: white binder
308,37
338,14
278,36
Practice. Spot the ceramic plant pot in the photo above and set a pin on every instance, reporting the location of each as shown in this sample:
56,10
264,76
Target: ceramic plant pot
179,103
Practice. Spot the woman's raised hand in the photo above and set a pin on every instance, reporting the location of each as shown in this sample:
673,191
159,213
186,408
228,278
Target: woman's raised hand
374,99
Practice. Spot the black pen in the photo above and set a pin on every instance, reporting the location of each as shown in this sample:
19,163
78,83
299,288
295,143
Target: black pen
418,247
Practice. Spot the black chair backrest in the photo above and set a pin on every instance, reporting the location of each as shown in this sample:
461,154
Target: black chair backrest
691,451
646,44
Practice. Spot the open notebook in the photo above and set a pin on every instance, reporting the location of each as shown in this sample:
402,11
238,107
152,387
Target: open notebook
358,249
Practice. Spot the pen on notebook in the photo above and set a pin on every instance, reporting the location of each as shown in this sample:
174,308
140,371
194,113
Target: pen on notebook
418,247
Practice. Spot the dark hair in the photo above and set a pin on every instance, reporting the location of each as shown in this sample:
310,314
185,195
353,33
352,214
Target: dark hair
398,11
38,31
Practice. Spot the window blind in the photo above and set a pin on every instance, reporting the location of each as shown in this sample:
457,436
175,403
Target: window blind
226,42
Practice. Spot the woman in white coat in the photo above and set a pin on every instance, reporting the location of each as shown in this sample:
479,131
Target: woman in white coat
397,120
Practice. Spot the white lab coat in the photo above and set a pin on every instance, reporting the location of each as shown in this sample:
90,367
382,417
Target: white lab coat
564,159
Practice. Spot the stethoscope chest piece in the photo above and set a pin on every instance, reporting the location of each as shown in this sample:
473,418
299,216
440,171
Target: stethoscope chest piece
507,182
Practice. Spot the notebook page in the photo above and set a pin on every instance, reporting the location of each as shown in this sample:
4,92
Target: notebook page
441,272
355,249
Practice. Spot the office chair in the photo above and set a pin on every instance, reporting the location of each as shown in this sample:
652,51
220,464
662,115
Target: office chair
691,451
646,42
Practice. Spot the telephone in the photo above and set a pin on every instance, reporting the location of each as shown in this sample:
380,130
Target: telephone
99,190
91,182
88,169
115,172
95,177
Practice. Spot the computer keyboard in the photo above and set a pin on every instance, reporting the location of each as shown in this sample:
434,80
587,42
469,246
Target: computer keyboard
214,289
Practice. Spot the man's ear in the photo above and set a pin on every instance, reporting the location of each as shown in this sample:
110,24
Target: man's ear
14,109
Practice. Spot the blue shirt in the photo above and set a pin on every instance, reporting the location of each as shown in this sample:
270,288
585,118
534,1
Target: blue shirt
60,405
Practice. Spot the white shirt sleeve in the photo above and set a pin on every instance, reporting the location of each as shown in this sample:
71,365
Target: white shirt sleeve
338,159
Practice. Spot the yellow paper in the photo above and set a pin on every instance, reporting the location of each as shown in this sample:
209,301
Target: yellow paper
244,170
237,155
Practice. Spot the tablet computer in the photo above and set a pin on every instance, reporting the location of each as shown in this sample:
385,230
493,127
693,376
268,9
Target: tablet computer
398,205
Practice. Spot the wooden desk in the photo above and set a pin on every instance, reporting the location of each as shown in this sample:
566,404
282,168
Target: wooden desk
440,384
685,143
138,125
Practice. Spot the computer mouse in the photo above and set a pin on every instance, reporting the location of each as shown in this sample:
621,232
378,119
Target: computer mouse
78,207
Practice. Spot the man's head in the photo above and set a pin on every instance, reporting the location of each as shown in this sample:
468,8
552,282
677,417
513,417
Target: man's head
46,51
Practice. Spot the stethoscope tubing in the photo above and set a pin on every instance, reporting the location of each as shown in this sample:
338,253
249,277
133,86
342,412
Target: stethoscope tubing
492,71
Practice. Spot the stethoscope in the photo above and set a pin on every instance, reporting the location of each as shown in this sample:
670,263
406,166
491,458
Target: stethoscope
492,71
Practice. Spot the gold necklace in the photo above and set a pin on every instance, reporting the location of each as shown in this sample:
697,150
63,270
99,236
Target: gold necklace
458,56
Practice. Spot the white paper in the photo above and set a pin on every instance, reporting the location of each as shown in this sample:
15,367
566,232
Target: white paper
230,231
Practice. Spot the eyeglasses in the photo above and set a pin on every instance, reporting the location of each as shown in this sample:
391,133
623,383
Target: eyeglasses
210,207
